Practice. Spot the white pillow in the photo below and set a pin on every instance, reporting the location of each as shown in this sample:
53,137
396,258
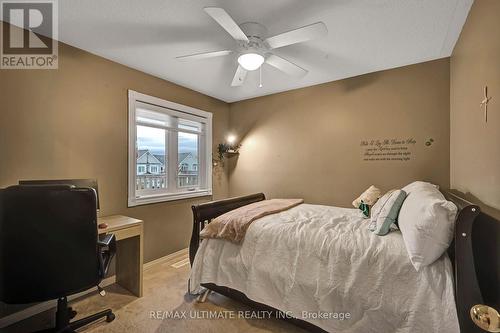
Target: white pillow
418,185
426,221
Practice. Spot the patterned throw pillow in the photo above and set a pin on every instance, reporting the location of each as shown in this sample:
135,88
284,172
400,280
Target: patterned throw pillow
367,199
376,210
386,211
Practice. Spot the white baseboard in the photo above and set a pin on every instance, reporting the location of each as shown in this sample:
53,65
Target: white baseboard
44,306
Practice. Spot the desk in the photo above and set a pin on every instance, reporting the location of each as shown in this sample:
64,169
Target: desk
129,246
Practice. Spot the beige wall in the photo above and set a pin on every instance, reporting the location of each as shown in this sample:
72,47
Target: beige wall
72,123
306,143
475,145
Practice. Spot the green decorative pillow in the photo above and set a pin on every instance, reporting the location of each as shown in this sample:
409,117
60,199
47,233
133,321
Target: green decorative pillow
385,214
365,208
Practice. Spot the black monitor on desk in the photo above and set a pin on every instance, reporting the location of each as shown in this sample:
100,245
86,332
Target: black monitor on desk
91,183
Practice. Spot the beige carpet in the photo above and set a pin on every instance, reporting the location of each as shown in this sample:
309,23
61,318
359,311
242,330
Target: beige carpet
164,293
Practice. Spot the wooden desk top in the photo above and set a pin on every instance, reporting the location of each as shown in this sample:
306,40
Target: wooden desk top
117,222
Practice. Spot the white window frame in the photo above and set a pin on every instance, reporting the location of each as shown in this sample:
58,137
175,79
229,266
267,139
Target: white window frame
205,157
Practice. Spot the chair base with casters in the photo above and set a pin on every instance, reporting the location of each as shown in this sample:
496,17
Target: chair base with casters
65,313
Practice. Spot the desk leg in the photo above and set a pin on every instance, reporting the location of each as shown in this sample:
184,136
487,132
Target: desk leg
129,264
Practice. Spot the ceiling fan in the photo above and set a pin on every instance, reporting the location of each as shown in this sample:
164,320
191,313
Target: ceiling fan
254,46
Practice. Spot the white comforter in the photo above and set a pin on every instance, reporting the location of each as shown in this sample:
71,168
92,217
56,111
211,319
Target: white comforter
324,260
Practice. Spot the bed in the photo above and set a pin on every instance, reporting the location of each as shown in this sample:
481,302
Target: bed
339,278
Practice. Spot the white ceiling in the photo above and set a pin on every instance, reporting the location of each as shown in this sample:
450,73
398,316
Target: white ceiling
364,36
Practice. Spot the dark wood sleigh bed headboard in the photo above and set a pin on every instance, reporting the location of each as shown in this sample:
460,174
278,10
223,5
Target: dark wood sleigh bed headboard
474,252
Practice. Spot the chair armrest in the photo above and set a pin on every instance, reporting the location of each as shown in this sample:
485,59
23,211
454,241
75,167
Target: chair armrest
106,241
106,249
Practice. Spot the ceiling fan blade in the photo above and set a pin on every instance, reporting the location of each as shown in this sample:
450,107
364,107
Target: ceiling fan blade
286,66
239,77
299,35
226,21
203,55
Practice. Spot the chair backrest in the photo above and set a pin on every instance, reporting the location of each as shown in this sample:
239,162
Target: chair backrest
48,242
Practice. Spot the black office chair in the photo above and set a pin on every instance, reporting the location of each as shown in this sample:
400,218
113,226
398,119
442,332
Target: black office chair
49,248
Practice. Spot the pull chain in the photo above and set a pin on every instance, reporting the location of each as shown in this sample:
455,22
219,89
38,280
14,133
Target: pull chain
260,77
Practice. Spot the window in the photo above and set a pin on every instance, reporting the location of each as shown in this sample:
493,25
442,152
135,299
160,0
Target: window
170,151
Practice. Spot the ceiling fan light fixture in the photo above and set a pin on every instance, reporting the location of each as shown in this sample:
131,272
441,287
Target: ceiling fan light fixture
251,61
253,45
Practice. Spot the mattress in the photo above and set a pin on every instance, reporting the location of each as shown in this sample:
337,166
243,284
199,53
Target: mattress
321,264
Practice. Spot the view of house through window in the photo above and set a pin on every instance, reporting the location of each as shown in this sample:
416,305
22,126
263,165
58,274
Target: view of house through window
151,159
151,152
188,160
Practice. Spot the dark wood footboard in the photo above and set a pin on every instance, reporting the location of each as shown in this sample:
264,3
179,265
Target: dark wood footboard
205,212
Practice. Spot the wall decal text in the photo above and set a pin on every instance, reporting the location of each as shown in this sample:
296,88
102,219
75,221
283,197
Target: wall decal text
387,149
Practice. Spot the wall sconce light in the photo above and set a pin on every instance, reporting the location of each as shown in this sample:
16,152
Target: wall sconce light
231,139
229,148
